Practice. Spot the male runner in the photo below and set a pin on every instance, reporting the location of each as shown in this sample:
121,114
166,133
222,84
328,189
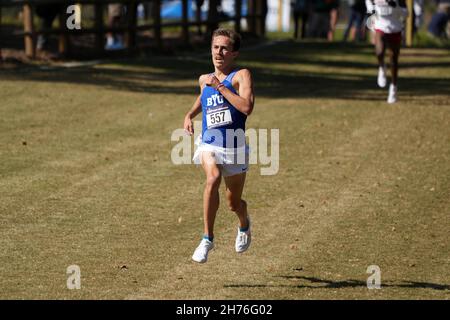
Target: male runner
388,19
225,101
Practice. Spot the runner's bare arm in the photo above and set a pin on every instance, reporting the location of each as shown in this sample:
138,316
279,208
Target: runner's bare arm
245,100
195,110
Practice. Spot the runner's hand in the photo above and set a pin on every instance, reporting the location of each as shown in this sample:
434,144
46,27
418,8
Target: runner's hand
212,81
188,126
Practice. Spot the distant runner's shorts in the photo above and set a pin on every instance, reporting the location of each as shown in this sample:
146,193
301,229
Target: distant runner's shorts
231,161
391,38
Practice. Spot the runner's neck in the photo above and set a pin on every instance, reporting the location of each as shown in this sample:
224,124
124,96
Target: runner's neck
223,74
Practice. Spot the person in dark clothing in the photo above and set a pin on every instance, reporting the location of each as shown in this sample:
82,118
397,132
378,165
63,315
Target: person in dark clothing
47,14
355,27
440,19
301,9
324,19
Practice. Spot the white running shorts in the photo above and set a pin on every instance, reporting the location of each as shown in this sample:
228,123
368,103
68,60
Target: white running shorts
231,161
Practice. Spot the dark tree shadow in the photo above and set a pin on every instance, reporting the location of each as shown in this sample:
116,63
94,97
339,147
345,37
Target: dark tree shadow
317,283
163,74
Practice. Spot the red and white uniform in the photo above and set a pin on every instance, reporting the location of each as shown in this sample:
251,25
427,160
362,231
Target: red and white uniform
388,19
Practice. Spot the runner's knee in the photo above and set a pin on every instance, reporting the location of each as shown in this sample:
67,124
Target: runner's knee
213,180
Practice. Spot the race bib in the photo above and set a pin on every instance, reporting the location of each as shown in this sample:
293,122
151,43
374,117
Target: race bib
218,118
384,10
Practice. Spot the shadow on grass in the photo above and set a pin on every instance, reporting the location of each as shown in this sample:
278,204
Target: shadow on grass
342,55
317,283
293,79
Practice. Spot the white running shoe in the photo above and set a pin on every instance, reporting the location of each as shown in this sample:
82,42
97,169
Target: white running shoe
243,239
201,253
381,77
392,97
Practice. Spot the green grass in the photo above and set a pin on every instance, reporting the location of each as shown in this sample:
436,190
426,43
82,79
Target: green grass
86,179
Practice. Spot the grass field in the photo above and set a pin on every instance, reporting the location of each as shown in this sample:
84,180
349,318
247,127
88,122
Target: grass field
86,179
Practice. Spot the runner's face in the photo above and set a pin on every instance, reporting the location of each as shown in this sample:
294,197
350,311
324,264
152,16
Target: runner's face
222,52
